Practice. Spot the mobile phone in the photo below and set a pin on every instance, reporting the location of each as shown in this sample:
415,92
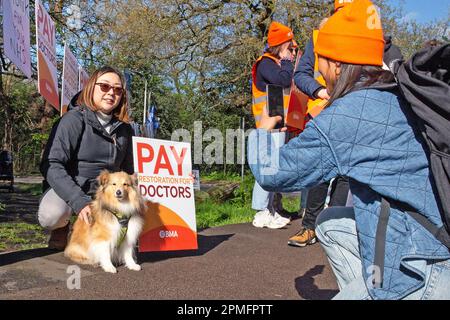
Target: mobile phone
275,103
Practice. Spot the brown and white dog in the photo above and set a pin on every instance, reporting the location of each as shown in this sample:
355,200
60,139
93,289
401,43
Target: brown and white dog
117,198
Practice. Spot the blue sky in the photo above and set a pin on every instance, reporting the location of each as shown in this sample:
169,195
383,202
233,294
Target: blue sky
425,10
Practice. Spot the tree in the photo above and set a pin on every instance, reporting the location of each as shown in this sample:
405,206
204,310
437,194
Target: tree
24,114
195,55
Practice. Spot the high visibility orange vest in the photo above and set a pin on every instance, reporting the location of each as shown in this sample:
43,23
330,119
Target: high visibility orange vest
259,98
315,106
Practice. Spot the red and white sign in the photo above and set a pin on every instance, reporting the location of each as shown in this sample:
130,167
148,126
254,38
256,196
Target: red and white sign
16,33
70,79
84,78
298,104
164,169
47,66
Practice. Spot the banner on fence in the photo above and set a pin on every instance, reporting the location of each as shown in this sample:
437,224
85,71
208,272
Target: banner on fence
69,80
46,49
16,34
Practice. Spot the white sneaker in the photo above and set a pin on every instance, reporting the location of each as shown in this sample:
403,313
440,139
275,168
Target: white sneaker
281,218
265,219
275,223
261,218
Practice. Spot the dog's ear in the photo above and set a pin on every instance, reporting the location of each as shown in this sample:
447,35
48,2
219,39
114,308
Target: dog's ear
103,177
134,178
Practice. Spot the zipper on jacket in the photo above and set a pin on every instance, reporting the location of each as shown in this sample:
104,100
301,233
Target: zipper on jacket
113,137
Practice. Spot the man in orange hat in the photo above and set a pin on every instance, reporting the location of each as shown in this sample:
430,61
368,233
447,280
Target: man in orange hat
273,67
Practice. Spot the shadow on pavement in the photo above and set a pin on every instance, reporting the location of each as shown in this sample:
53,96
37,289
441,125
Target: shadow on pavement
17,256
307,289
205,244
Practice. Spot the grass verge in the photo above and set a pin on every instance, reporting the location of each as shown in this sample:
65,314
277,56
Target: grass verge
33,188
237,209
21,236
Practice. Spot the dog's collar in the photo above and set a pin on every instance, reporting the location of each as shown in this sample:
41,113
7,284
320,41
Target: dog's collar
123,225
120,217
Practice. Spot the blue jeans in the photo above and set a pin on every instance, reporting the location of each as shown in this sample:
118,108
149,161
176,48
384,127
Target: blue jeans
262,199
336,231
304,196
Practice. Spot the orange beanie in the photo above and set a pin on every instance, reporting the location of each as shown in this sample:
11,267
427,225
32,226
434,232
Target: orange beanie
278,34
353,35
340,3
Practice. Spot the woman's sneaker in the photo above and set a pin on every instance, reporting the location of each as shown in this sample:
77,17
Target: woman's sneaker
281,218
303,238
265,219
275,223
261,218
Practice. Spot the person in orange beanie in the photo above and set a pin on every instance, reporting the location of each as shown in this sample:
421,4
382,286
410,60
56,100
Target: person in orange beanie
278,34
379,249
337,38
308,79
273,67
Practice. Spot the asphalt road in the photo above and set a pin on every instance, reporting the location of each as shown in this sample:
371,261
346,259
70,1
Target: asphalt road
233,262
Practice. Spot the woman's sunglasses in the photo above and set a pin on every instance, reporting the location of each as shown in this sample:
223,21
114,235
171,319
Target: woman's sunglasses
104,87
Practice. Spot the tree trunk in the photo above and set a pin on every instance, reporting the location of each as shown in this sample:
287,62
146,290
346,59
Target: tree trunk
7,138
223,191
44,125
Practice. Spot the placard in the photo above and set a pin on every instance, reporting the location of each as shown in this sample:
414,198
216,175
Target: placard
298,104
164,169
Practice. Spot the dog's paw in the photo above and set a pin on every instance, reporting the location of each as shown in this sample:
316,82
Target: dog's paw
134,267
110,269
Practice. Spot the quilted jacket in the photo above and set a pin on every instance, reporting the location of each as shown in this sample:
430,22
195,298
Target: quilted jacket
365,136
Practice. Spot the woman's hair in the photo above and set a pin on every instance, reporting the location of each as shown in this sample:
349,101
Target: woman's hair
86,98
275,51
354,76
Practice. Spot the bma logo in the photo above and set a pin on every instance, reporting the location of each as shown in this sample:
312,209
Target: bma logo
168,234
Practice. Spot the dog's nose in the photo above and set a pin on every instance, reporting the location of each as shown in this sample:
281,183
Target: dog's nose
118,193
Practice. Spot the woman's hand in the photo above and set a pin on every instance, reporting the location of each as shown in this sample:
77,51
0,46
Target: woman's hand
323,94
269,123
85,214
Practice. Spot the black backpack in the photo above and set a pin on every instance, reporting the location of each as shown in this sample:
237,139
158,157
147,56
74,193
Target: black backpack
424,81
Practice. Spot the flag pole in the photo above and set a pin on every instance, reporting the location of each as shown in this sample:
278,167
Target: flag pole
145,105
243,149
